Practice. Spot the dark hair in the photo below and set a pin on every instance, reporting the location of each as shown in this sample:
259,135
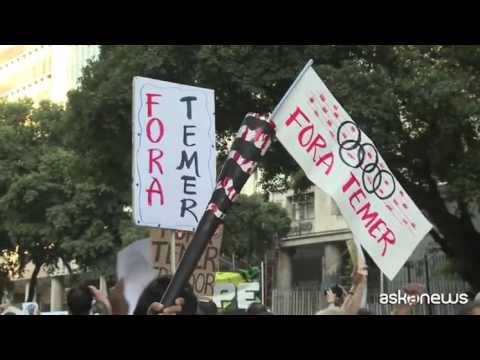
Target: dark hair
154,293
258,309
79,300
207,308
9,313
468,309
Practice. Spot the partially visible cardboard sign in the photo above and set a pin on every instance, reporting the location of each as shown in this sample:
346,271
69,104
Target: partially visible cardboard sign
203,278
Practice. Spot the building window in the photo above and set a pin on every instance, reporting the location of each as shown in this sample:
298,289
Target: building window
302,206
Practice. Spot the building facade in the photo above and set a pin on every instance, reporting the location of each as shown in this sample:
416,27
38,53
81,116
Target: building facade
42,72
314,253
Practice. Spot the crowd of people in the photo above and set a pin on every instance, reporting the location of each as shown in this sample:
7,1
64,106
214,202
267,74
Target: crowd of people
88,300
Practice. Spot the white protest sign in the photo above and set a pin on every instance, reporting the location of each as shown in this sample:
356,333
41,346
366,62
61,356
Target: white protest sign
174,158
245,294
135,267
224,293
339,158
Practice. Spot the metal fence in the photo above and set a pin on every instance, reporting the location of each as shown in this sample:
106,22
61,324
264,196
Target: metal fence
307,301
297,301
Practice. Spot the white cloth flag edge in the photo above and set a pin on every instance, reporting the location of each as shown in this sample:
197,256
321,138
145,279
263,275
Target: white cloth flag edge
136,279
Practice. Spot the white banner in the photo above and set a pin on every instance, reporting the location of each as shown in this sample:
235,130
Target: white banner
174,158
339,158
135,267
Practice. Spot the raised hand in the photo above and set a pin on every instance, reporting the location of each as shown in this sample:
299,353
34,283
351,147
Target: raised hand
117,299
102,298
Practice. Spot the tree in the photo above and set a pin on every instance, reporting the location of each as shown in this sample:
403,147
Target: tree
418,103
251,226
245,78
49,212
439,143
25,211
17,143
98,115
7,258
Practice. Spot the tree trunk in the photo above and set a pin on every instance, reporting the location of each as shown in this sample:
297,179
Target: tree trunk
33,283
458,237
461,239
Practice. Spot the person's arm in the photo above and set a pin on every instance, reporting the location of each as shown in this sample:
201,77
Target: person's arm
3,307
117,299
353,301
101,298
331,298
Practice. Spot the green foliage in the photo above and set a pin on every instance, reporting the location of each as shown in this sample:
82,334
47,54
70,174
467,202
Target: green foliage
49,210
251,274
251,226
131,233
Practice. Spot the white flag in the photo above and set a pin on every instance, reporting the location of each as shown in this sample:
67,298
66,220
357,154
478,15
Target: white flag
134,266
342,160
